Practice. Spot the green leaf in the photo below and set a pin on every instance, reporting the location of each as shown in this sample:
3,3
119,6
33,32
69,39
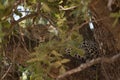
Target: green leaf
31,2
1,6
51,0
115,15
0,26
45,7
57,64
62,70
33,60
64,60
115,22
56,53
1,33
6,24
34,54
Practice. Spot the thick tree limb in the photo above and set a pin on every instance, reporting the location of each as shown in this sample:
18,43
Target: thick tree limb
88,64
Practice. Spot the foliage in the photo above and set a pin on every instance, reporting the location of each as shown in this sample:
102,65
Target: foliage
62,14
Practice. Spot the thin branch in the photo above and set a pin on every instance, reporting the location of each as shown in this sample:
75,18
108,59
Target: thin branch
25,17
51,21
78,27
14,7
6,72
25,11
21,19
65,9
88,64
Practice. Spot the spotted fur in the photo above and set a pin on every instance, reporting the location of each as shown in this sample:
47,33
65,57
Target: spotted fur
91,51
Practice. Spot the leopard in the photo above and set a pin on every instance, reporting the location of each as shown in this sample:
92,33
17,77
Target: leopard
91,51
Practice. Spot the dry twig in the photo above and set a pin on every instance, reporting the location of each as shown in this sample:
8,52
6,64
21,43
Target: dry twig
6,72
65,9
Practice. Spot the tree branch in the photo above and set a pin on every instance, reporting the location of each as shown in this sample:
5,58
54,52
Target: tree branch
21,19
6,72
25,17
88,64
